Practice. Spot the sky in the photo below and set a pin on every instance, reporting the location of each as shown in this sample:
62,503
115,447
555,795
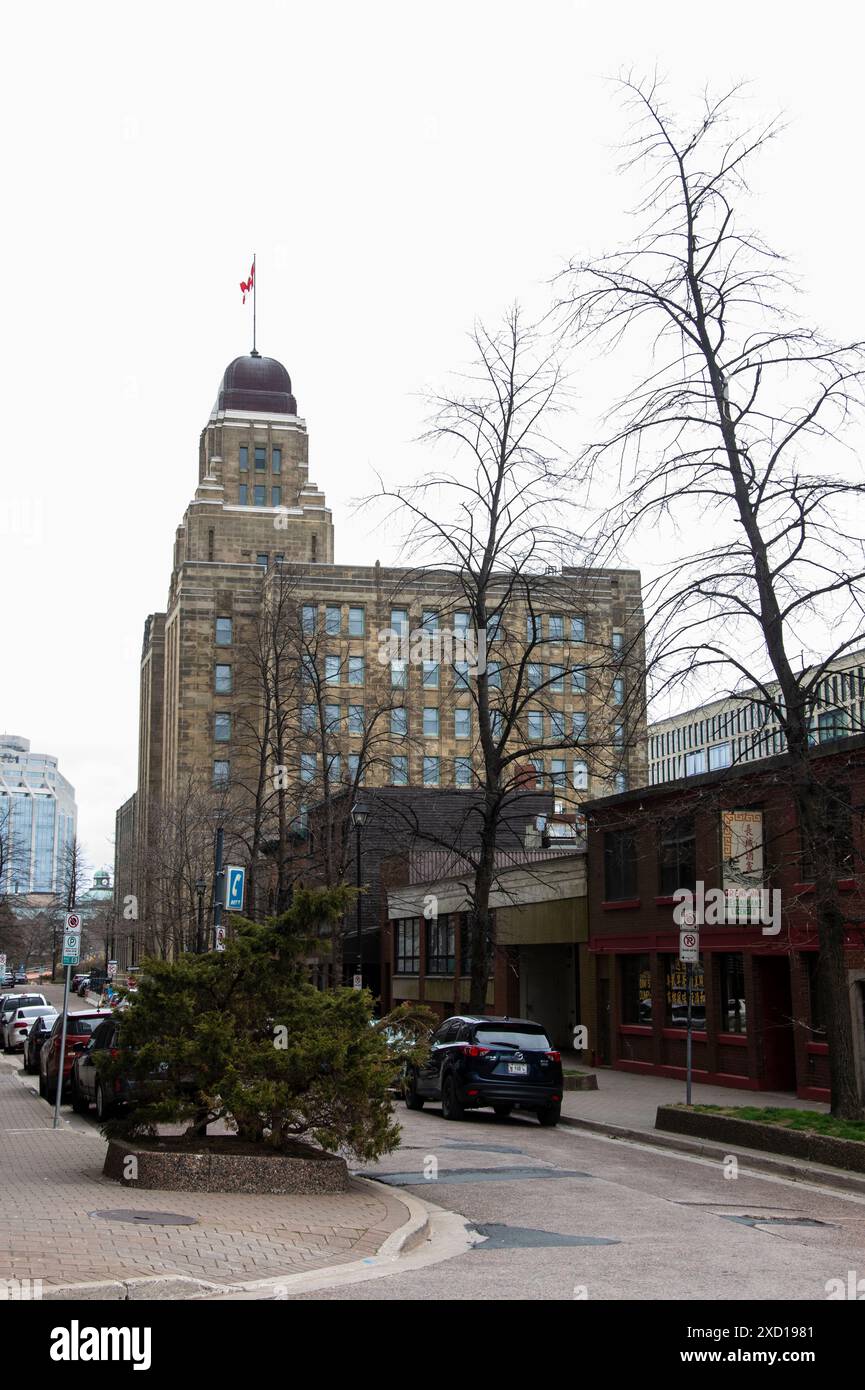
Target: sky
399,171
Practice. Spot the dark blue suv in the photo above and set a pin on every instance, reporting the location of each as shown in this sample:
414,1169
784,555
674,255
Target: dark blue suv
498,1062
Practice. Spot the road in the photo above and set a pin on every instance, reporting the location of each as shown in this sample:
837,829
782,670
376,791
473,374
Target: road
568,1214
576,1215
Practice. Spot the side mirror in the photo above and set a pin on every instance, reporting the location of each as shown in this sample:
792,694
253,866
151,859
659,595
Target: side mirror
79,1047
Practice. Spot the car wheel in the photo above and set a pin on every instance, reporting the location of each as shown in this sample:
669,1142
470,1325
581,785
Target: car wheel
412,1100
451,1107
502,1111
550,1116
103,1106
79,1103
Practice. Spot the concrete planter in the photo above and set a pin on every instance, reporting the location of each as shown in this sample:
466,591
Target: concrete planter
751,1134
223,1164
586,1081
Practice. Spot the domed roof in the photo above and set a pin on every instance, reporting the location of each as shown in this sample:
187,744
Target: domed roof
256,383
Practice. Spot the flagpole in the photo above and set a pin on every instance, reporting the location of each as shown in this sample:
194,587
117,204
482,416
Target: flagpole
254,301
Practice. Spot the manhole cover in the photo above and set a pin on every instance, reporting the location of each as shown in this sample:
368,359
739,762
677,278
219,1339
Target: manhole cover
524,1237
146,1218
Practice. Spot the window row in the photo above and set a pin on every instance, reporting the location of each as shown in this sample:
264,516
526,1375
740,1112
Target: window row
259,495
440,944
260,458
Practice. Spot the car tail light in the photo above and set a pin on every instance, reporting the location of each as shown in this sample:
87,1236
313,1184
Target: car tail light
554,1056
113,1052
473,1093
472,1050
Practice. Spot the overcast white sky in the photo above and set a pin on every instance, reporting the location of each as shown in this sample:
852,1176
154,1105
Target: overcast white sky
399,169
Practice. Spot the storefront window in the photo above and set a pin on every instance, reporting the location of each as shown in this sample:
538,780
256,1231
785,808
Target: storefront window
733,1017
440,946
677,996
636,989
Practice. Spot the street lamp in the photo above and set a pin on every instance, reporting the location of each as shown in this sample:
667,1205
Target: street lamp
360,814
201,889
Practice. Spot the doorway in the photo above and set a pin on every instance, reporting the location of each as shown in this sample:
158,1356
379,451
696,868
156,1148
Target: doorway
777,1054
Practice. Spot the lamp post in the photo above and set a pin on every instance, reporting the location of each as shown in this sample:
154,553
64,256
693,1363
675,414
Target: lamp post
201,889
359,816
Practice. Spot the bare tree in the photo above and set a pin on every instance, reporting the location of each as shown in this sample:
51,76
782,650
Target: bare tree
494,531
725,449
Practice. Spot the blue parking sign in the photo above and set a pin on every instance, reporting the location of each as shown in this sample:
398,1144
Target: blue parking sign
235,883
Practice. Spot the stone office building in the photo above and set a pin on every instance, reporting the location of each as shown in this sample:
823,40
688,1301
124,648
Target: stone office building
256,525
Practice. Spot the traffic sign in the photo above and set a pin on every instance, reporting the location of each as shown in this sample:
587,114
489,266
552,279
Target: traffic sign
219,943
689,947
2,964
112,969
71,947
73,921
234,886
357,982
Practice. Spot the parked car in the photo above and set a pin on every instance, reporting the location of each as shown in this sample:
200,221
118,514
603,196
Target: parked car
498,1062
36,1036
21,977
76,980
83,985
87,1087
19,1024
8,979
11,1002
78,1030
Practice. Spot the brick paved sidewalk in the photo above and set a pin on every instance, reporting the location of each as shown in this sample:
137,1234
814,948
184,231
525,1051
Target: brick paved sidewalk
51,1184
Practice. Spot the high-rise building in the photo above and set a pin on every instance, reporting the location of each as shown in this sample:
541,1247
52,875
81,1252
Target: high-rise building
38,820
258,528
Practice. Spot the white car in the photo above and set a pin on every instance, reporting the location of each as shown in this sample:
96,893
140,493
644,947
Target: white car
19,1025
12,1002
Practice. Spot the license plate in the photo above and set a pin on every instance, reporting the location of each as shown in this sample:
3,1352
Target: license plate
518,1068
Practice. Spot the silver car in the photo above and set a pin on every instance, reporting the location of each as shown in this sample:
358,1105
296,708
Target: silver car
18,1025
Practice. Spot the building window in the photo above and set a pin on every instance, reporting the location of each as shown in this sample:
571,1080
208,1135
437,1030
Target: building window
333,620
355,772
494,675
430,620
355,719
309,616
399,621
262,561
558,773
332,768
259,495
308,718
620,865
331,670
355,622
462,723
557,679
579,721
677,994
840,821
535,725
399,721
463,772
222,728
308,763
537,765
677,855
557,725
578,680
430,675
534,631
578,629
536,675
695,763
314,549
430,721
331,719
407,954
636,980
399,771
732,997
620,781
243,495
210,535
618,735
581,776
833,723
497,723
461,675
618,691
223,632
494,623
719,757
617,642
221,772
260,457
440,946
462,620
276,496
399,675
222,680
355,670
276,460
244,459
556,627
431,772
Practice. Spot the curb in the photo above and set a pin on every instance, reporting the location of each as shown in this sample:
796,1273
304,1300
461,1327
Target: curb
815,1174
415,1232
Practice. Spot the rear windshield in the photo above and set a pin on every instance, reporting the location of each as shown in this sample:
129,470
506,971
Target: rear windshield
518,1039
82,1027
33,1013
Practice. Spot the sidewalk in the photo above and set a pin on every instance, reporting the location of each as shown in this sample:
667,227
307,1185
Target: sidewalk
52,1189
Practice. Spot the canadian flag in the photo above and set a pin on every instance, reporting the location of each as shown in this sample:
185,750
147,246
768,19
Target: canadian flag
247,286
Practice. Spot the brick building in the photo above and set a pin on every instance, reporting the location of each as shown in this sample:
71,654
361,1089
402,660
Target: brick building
256,528
758,1020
